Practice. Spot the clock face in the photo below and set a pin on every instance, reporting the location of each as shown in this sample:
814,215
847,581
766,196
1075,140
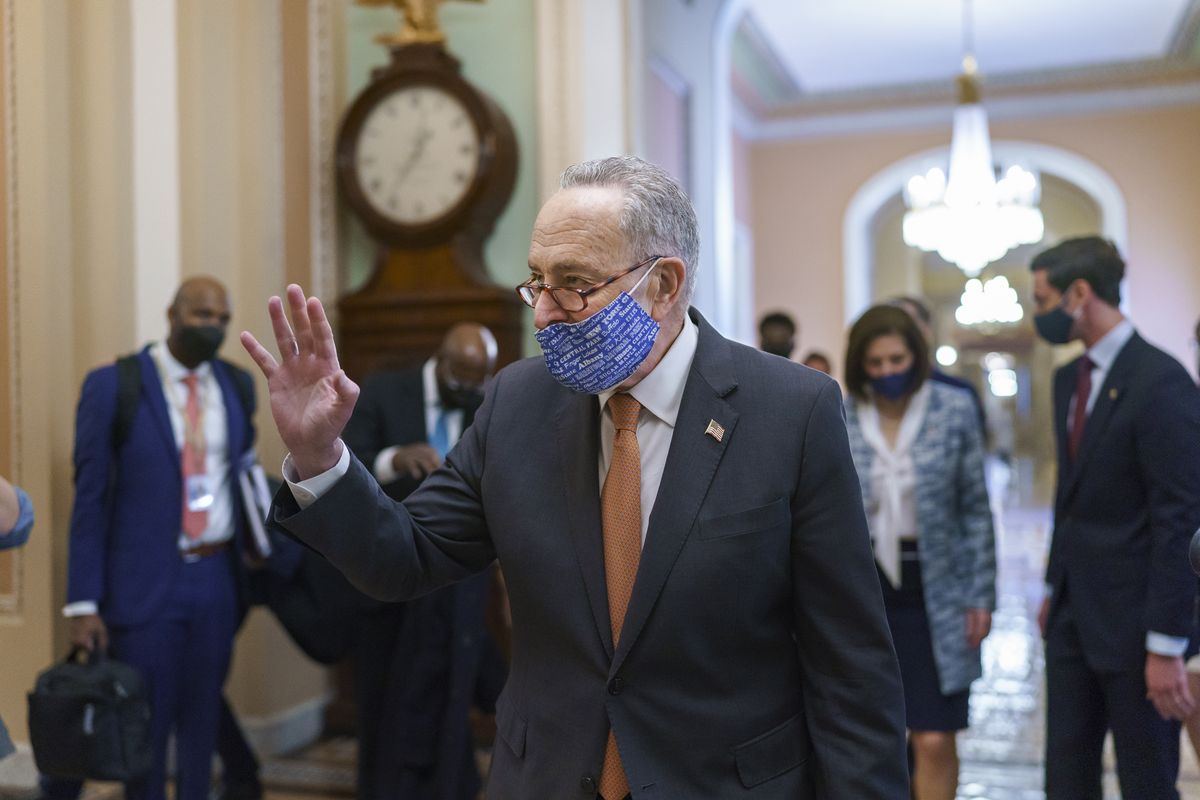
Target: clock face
417,154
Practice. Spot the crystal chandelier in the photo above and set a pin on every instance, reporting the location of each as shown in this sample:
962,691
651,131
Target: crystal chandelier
993,302
970,218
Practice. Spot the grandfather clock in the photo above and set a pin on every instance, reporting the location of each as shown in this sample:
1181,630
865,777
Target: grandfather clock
427,162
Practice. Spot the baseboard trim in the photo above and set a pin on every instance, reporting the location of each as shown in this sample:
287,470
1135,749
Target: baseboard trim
288,730
18,772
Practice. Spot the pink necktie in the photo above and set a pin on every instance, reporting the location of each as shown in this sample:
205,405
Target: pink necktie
194,522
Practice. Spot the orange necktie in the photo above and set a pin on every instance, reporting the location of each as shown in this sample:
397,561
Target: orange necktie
194,522
621,515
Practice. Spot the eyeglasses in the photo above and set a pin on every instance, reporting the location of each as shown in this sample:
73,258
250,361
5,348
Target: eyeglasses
568,299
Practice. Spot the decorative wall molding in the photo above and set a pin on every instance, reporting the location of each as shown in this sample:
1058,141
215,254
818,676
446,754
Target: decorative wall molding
272,56
1187,32
1034,106
1107,87
324,114
10,603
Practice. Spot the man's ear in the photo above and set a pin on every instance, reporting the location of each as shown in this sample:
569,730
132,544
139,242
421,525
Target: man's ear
668,288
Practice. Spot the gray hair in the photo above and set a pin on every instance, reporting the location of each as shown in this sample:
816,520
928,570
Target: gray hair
657,218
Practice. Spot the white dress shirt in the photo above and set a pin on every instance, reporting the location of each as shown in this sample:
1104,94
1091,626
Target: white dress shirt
216,450
1102,354
893,512
660,394
384,470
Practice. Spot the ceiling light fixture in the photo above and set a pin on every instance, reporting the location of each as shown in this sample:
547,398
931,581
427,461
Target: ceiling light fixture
970,218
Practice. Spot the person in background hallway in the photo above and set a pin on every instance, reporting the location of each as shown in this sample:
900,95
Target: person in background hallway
732,642
155,561
421,665
16,520
818,361
1121,597
919,454
918,309
777,334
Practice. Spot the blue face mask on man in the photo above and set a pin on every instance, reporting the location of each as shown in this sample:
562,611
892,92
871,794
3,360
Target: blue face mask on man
602,351
1055,325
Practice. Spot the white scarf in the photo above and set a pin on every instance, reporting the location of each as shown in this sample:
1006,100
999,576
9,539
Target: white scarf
893,480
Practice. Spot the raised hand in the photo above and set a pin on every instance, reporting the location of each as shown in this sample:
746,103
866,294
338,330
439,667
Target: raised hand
311,397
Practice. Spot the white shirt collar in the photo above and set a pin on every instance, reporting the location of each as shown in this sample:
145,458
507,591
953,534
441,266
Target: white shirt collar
1104,352
661,391
429,384
174,371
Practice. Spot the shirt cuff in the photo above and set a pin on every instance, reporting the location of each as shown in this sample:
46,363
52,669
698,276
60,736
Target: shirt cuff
1162,645
83,608
384,471
310,490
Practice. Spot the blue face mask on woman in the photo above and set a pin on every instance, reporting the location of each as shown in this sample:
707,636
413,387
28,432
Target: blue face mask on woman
895,386
602,351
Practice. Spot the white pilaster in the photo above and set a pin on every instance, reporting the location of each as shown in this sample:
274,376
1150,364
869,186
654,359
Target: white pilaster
156,181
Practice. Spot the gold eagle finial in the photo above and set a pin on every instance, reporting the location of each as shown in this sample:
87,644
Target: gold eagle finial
420,24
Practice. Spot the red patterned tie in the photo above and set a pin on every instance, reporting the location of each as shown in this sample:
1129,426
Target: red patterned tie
1083,389
621,515
194,522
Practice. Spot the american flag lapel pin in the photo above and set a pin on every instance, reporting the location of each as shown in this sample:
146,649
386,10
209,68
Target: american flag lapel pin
715,429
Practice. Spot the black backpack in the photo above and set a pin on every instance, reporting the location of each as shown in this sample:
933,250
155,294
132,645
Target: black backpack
90,720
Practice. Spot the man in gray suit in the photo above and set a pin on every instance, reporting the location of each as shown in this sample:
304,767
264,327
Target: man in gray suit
695,607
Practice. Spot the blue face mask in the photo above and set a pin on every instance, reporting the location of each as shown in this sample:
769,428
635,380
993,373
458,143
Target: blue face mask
602,351
893,387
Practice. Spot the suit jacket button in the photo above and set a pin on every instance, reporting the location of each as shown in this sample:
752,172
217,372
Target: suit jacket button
589,784
616,686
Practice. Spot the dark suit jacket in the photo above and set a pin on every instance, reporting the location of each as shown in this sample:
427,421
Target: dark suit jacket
755,658
390,411
430,659
124,549
1126,508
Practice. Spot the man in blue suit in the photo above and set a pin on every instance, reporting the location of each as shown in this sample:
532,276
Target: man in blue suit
1121,601
156,529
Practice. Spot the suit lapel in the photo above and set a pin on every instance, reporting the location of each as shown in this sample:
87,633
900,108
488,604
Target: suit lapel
691,463
1111,392
578,441
152,389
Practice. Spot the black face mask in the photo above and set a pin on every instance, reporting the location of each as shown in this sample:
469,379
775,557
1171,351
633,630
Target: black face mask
199,343
463,397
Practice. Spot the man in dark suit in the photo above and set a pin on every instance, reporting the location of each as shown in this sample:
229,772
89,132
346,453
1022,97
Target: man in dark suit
420,666
1121,596
695,607
157,525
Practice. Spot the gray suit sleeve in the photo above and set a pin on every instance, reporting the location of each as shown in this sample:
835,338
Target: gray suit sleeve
396,551
853,694
975,511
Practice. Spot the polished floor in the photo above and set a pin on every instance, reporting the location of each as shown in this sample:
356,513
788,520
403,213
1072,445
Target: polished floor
1001,752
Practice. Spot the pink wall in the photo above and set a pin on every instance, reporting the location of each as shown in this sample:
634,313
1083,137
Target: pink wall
801,190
